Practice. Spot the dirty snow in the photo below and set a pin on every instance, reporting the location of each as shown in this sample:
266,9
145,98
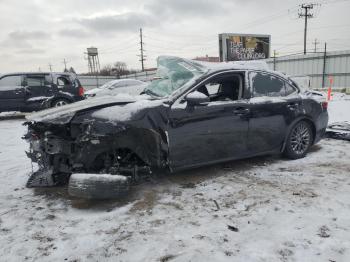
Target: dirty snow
260,209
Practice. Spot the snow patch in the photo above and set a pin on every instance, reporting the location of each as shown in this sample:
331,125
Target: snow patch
125,112
38,98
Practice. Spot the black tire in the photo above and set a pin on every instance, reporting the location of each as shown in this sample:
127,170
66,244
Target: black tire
60,102
98,186
299,140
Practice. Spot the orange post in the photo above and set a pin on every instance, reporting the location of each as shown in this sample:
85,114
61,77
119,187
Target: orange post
329,93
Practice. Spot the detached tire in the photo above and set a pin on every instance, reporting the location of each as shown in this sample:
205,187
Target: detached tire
299,140
98,186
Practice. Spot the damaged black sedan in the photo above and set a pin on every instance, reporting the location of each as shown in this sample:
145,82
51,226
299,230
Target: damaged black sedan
194,114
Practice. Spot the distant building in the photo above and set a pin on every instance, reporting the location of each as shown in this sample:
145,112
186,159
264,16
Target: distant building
208,59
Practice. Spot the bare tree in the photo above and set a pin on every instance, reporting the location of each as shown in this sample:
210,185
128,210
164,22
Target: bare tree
106,70
120,68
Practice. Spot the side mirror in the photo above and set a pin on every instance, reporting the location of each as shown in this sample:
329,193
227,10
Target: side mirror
197,98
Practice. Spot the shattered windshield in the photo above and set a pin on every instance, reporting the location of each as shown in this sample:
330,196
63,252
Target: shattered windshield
172,74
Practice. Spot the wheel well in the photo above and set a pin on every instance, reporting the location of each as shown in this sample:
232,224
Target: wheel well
313,128
122,156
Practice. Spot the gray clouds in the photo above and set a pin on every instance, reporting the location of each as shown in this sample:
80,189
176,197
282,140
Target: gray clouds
27,35
23,39
129,21
37,32
156,13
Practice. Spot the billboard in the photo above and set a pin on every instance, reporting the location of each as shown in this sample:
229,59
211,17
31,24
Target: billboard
240,47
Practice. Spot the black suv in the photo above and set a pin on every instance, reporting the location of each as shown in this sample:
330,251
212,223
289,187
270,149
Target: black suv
34,91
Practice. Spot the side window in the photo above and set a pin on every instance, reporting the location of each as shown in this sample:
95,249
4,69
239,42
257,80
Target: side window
35,80
289,89
48,79
223,88
213,88
133,83
266,85
62,81
10,83
116,85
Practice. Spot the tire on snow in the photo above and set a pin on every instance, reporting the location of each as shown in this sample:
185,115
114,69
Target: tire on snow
98,186
307,133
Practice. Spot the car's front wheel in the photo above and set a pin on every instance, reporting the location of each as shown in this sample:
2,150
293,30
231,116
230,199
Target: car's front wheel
299,140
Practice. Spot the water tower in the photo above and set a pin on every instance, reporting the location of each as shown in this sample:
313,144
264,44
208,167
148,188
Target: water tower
93,60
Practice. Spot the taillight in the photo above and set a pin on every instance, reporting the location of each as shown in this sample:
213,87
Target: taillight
81,91
324,104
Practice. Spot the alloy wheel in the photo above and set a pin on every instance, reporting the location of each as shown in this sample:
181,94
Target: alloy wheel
300,138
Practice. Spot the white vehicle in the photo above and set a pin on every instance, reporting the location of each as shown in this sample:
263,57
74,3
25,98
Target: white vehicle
120,86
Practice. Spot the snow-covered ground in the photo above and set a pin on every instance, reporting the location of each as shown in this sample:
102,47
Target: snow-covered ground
260,209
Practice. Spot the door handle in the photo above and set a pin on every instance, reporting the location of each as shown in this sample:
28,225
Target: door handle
18,91
241,111
293,106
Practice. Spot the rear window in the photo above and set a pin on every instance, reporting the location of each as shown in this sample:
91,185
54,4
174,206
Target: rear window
264,84
63,81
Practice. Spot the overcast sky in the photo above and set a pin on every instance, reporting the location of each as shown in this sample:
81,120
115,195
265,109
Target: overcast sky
35,33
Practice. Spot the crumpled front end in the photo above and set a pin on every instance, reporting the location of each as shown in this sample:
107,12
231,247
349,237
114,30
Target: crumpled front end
51,153
91,147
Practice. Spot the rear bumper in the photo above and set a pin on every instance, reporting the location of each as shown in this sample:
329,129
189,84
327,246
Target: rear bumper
321,125
319,135
79,98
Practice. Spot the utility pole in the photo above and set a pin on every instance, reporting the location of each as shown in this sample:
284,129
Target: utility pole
142,56
306,14
50,66
65,64
274,60
324,65
315,43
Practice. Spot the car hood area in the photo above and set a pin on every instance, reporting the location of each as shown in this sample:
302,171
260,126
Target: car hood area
64,114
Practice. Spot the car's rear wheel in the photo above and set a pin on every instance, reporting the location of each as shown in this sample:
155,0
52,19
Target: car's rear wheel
60,102
98,186
299,140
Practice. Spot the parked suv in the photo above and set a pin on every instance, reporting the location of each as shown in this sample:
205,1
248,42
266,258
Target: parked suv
34,91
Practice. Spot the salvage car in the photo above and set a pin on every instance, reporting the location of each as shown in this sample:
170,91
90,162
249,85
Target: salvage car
195,114
119,86
28,92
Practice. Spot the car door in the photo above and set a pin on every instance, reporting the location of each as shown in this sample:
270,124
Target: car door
270,112
209,132
37,86
11,93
